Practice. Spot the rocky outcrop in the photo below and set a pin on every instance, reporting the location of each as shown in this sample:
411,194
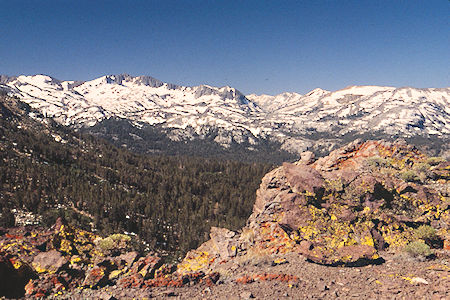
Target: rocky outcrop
38,263
344,209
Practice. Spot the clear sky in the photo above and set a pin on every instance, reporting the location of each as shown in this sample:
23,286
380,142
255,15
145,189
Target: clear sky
256,46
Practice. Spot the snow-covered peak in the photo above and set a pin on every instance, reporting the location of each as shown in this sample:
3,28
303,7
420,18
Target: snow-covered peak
317,92
362,90
146,100
38,80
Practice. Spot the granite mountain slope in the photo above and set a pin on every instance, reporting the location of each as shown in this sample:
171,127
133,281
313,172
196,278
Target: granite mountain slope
319,119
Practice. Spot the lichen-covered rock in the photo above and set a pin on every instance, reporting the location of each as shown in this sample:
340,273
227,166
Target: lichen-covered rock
134,280
46,285
342,209
146,266
223,242
97,276
222,246
197,260
55,259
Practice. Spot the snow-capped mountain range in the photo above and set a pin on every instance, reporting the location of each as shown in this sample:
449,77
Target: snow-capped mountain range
287,117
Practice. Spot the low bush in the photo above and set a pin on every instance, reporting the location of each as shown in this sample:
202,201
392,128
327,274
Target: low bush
409,176
418,249
422,167
425,232
114,244
379,162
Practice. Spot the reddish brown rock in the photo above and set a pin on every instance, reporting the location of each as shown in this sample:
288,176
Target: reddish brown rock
146,266
126,259
134,280
46,285
303,178
96,277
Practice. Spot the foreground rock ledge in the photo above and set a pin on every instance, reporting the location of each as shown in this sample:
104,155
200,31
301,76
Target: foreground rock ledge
343,209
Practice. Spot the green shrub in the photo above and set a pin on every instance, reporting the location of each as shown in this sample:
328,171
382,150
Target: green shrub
379,162
409,176
418,249
425,232
106,244
429,235
118,238
114,243
422,167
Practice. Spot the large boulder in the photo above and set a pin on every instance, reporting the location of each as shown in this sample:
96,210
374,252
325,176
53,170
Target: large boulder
49,262
222,240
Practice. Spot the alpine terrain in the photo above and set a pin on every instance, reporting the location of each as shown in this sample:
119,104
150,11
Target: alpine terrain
139,213
289,122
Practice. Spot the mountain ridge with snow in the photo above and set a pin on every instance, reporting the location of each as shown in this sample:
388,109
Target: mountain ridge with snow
289,118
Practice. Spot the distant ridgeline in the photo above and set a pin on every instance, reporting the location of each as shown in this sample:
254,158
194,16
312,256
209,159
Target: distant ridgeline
170,202
154,139
150,116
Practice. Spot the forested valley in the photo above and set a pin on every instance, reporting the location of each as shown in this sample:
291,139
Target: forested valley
170,202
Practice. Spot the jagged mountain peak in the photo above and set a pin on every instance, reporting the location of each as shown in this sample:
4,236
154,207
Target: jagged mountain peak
289,118
138,80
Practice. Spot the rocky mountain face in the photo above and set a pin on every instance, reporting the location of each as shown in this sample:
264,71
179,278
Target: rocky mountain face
364,205
317,121
143,100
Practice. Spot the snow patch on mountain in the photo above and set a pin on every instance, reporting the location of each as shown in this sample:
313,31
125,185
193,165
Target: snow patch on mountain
287,117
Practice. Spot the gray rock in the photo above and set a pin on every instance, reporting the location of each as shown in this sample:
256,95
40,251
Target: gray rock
49,262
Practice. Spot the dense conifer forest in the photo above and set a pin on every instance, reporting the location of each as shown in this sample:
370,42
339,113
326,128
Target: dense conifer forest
153,139
168,201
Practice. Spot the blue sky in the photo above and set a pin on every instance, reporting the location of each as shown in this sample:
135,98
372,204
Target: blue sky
256,46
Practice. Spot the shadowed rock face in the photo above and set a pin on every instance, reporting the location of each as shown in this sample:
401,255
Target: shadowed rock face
342,209
13,277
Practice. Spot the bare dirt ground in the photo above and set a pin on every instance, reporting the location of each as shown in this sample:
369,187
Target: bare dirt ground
399,277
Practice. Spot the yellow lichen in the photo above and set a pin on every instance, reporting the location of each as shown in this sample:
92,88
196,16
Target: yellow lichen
196,263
